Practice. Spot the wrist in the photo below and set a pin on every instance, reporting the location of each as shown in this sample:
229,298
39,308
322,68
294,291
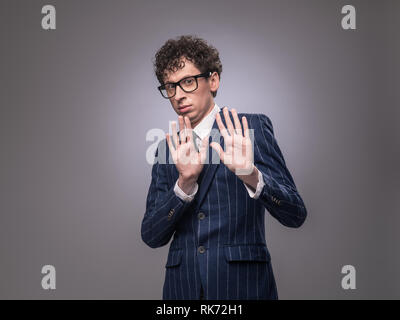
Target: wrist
187,184
242,173
250,179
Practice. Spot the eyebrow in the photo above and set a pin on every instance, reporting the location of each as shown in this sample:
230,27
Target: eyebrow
187,75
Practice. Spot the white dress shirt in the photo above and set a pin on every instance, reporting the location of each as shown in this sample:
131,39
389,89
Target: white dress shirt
202,130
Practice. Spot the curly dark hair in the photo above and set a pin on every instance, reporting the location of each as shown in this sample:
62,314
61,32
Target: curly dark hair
169,57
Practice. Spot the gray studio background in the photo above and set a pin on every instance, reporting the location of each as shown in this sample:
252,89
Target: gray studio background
77,102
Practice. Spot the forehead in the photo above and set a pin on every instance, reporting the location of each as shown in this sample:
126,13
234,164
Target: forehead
189,69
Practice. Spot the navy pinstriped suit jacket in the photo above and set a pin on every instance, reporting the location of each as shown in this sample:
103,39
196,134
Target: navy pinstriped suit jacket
219,238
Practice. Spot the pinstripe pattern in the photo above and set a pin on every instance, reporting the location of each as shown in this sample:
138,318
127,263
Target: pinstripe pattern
236,263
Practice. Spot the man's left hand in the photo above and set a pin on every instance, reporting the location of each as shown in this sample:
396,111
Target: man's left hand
238,154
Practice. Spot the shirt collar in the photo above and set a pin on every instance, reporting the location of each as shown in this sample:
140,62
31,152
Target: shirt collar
205,125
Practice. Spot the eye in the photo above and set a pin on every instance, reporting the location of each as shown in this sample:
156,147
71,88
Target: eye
189,81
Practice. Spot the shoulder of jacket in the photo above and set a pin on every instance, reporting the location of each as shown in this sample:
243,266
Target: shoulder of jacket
259,117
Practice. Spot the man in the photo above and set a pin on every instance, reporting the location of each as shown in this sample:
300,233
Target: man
214,211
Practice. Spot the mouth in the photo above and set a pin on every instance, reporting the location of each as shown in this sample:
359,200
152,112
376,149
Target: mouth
184,109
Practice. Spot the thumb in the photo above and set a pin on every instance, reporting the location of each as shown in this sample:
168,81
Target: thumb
204,148
216,146
204,142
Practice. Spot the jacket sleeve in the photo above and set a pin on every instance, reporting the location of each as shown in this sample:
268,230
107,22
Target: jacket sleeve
163,207
279,194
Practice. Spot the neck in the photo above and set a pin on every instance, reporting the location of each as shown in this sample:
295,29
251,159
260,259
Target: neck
194,125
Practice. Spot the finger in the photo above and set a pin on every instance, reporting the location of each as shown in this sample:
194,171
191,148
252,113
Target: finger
245,127
217,147
188,129
182,133
221,126
187,123
238,126
171,147
228,121
174,134
191,143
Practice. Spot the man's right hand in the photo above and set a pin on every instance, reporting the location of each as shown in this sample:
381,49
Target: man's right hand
188,161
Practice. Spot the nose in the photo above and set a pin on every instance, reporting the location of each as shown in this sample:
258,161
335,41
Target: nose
179,93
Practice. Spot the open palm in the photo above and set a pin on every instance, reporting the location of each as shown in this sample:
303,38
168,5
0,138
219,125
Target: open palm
188,161
238,154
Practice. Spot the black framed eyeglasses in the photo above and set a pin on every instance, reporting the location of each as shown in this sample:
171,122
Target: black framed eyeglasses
187,84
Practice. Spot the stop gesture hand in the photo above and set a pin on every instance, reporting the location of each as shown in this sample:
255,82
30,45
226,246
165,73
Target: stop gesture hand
238,154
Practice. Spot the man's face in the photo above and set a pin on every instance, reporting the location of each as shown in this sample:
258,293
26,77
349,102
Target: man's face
199,102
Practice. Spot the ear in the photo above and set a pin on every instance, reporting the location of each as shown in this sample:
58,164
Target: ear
214,81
